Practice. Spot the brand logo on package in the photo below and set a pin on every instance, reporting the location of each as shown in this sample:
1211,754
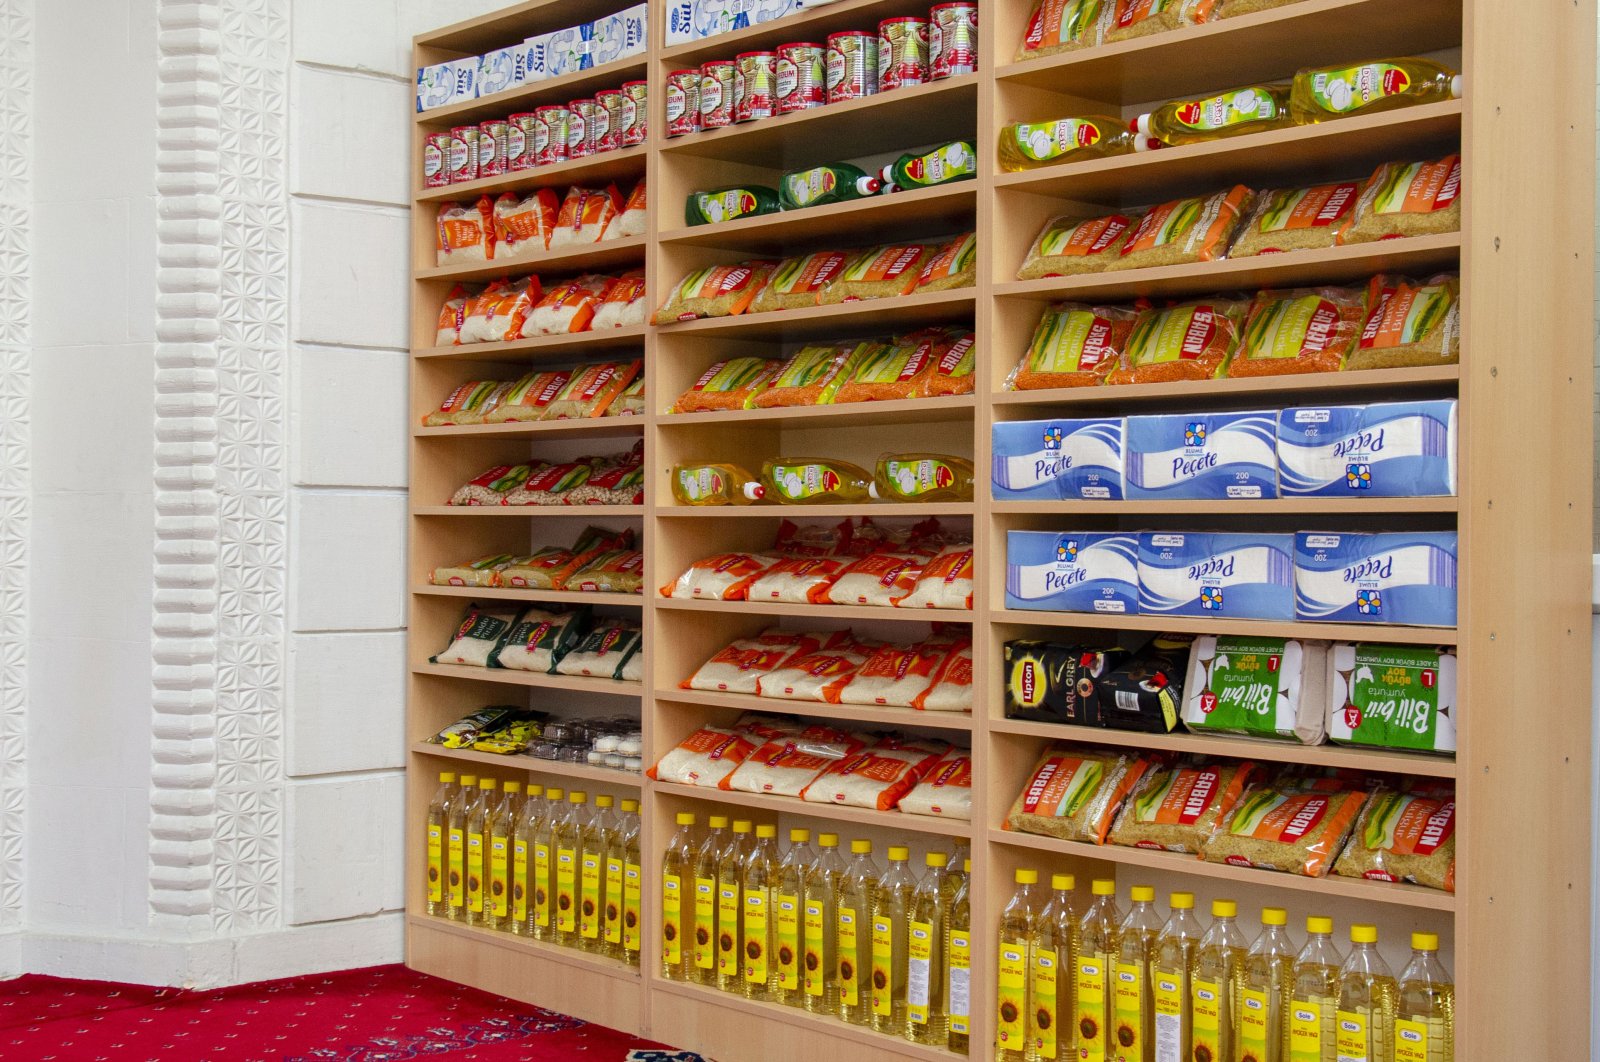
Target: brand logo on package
1211,597
1194,434
1358,477
1066,551
1369,602
1052,438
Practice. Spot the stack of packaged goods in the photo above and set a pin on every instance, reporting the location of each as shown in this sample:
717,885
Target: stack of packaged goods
547,640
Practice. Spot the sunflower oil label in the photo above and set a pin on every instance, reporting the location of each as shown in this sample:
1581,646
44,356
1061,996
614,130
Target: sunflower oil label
755,936
590,875
705,924
883,967
1167,995
788,942
475,872
1092,1008
457,873
919,971
499,885
566,890
1046,975
613,901
960,982
541,883
1127,1032
1253,1014
1353,87
1227,109
1044,141
1352,1037
849,989
1207,1009
1013,996
671,919
1414,1039
519,880
632,901
727,931
816,949
436,870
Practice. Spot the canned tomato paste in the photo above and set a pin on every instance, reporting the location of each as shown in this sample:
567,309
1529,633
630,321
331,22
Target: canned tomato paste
521,135
492,147
462,159
608,120
434,152
580,128
802,78
550,134
716,93
952,40
902,52
852,65
683,102
635,112
754,80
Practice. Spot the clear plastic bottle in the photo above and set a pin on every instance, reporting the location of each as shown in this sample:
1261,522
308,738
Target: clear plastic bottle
703,937
1314,996
456,848
927,926
1015,978
522,840
479,816
922,478
730,921
1051,1031
595,838
677,868
891,913
1028,145
438,846
1263,996
1367,1001
729,204
714,484
1252,109
853,940
1133,1015
1425,1020
756,909
835,182
543,875
819,934
1218,967
813,481
1097,954
1170,975
1321,94
788,896
497,885
622,886
955,161
566,840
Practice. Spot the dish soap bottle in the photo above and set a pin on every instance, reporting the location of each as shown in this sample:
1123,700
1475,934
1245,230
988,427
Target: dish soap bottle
891,909
1014,1000
728,204
814,481
1218,963
1263,1002
1170,974
922,478
1321,94
955,161
1097,953
927,1005
1133,1027
1424,1027
1367,991
1253,109
1028,145
834,183
1314,995
714,484
677,864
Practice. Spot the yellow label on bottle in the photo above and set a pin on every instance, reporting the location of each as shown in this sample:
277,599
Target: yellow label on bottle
883,967
1127,994
788,942
755,936
848,957
590,897
499,879
1351,1037
612,918
1011,1004
960,1001
1044,1017
632,885
671,920
728,930
1305,1032
1254,1011
919,971
1412,1039
1092,1008
436,867
475,872
566,890
816,945
519,880
705,924
1206,1007
1167,995
541,885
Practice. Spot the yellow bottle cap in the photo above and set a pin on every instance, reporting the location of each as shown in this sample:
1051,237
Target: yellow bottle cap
741,825
1224,909
1274,916
469,781
1026,876
577,796
799,835
535,789
859,846
1319,924
685,818
512,787
1181,901
718,822
899,853
630,805
553,793
966,866
766,830
1363,934
1143,894
936,859
827,840
487,784
1063,882
1103,887
603,801
1425,941
447,776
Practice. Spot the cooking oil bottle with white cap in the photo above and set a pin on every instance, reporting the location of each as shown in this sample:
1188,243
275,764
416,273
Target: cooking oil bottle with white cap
1133,1029
1425,1020
1171,972
1218,965
891,909
1314,995
1263,997
1097,954
1019,929
677,868
1364,1024
853,940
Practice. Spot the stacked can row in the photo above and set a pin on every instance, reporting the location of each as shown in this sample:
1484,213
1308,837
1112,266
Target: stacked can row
609,120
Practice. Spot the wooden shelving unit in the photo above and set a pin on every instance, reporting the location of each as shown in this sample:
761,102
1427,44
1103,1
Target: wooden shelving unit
1526,256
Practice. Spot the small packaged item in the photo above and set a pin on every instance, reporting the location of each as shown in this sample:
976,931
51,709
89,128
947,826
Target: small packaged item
465,233
510,739
529,397
1267,688
567,307
1405,836
592,389
618,571
731,384
622,306
945,791
878,580
616,479
814,676
786,764
944,582
499,313
723,577
888,371
1136,18
877,272
1392,697
876,777
1073,571
1174,809
1189,341
796,580
462,733
1409,324
464,405
1186,230
1285,827
452,315
1407,199
539,639
1068,246
1309,330
633,218
524,225
584,215
738,667
492,486
1075,794
706,758
796,282
1202,455
953,369
1296,219
1051,683
1061,26
811,377
606,651
895,675
483,572
482,631
715,291
951,689
1073,346
953,265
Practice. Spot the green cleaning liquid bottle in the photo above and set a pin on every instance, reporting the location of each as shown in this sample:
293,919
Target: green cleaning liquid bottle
1321,94
955,161
833,183
1252,109
922,478
727,204
714,484
813,481
1028,145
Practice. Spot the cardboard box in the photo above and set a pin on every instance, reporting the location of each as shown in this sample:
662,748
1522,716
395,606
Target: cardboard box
1072,571
1237,576
1383,450
1406,577
1202,455
1049,460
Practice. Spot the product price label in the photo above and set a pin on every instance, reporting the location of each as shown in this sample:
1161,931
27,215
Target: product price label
849,992
1092,1008
727,931
788,942
613,901
755,936
919,970
519,880
671,919
1044,1017
436,869
541,885
816,948
499,881
1013,996
1127,990
960,982
883,967
632,885
705,924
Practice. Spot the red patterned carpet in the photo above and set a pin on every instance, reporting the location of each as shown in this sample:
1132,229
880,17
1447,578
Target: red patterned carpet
383,1014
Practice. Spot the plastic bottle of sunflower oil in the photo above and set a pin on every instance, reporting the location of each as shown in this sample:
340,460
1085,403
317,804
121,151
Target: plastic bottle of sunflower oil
1218,967
522,834
1019,928
819,975
478,820
438,848
788,892
566,837
1425,1023
1170,975
1051,1032
1314,995
927,994
611,884
1097,955
677,870
632,883
1364,1024
853,937
497,886
756,909
543,874
703,936
1133,1015
456,848
891,910
730,921
594,838
1262,1001
958,971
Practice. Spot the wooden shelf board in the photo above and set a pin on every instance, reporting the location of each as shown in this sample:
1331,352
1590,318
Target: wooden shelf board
783,805
810,24
589,257
1357,632
856,713
844,612
571,346
1285,506
878,316
1310,389
513,593
624,164
573,511
927,211
510,24
1378,892
877,510
1238,748
551,90
621,971
602,775
898,411
510,677
596,427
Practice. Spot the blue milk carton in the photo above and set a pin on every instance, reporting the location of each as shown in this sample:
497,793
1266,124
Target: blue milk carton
1235,576
1072,571
1202,455
1406,577
499,70
1049,460
1383,450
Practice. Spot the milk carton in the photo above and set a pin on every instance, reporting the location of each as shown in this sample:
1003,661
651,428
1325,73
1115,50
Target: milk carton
1404,577
1272,688
536,58
1048,460
1233,576
1383,450
1072,571
442,84
680,22
635,30
606,37
500,70
569,50
770,10
1202,455
1392,697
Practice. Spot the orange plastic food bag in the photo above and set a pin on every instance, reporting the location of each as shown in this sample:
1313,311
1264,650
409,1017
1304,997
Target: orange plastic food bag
716,291
895,675
951,690
1190,341
524,225
876,273
465,233
1308,330
622,305
1067,246
954,265
530,395
797,580
738,667
633,219
1075,794
887,371
467,399
568,307
796,282
810,377
592,389
1186,230
585,213
815,676
1409,323
498,314
452,315
874,778
880,579
945,581
706,758
952,370
1294,219
1073,346
730,384
724,577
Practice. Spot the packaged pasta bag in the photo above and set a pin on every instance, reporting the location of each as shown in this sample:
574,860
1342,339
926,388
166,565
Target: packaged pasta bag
584,215
492,486
1296,219
523,224
810,377
894,675
634,217
465,233
1186,230
485,571
737,667
567,307
787,763
629,403
539,639
1407,199
951,689
547,484
796,282
952,265
953,365
815,676
1075,793
706,758
1409,323
1307,330
945,791
945,581
466,401
605,652
796,580
622,306
883,372
1189,341
715,291
1405,836
452,315
722,577
529,397
482,630
1285,827
1061,26
876,777
1073,346
592,389
731,384
1067,246
618,571
1174,808
876,273
879,579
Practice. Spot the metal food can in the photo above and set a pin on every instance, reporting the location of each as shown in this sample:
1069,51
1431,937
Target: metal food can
608,119
521,136
716,93
755,86
550,134
435,150
902,52
852,65
462,161
492,147
580,128
683,102
952,39
802,80
635,112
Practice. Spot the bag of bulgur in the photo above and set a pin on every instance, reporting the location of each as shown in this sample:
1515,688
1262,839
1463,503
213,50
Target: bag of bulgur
592,389
465,401
1067,246
953,364
811,377
715,291
1295,219
629,403
1073,346
622,305
482,631
888,371
895,675
707,758
618,571
1137,18
954,265
492,486
1189,341
951,689
1075,794
876,273
1174,809
945,791
1285,827
452,315
731,384
1407,199
1408,836
1289,332
539,639
550,567
523,225
1061,26
723,577
796,281
1409,324
485,571
585,213
1235,8
876,777
465,234
1185,230
529,397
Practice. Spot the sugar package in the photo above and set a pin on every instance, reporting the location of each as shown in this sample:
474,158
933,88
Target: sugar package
536,58
1392,697
680,22
606,36
1048,460
1406,577
1072,571
498,70
442,84
635,30
1383,450
1236,576
1202,455
1257,687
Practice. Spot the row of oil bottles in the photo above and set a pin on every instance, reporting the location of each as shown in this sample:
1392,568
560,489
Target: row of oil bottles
1102,985
546,865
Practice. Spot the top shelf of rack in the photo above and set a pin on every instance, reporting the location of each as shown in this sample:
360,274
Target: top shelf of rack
811,25
514,24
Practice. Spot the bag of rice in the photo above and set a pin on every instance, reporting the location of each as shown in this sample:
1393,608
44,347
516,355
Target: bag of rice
1186,230
604,652
539,639
1407,199
738,667
524,224
877,777
953,367
1060,26
498,314
465,233
622,306
730,384
787,763
483,630
796,282
1189,341
629,403
895,675
592,389
1067,246
814,676
485,571
945,581
1279,827
1294,219
568,307
706,758
547,484
634,218
1409,324
1073,346
585,213
1405,836
715,291
1075,794
880,579
1306,330
1174,809
1235,8
811,377
951,690
452,315
492,486
618,571
796,580
529,397
946,790
888,371
723,577
954,265
465,401
876,273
